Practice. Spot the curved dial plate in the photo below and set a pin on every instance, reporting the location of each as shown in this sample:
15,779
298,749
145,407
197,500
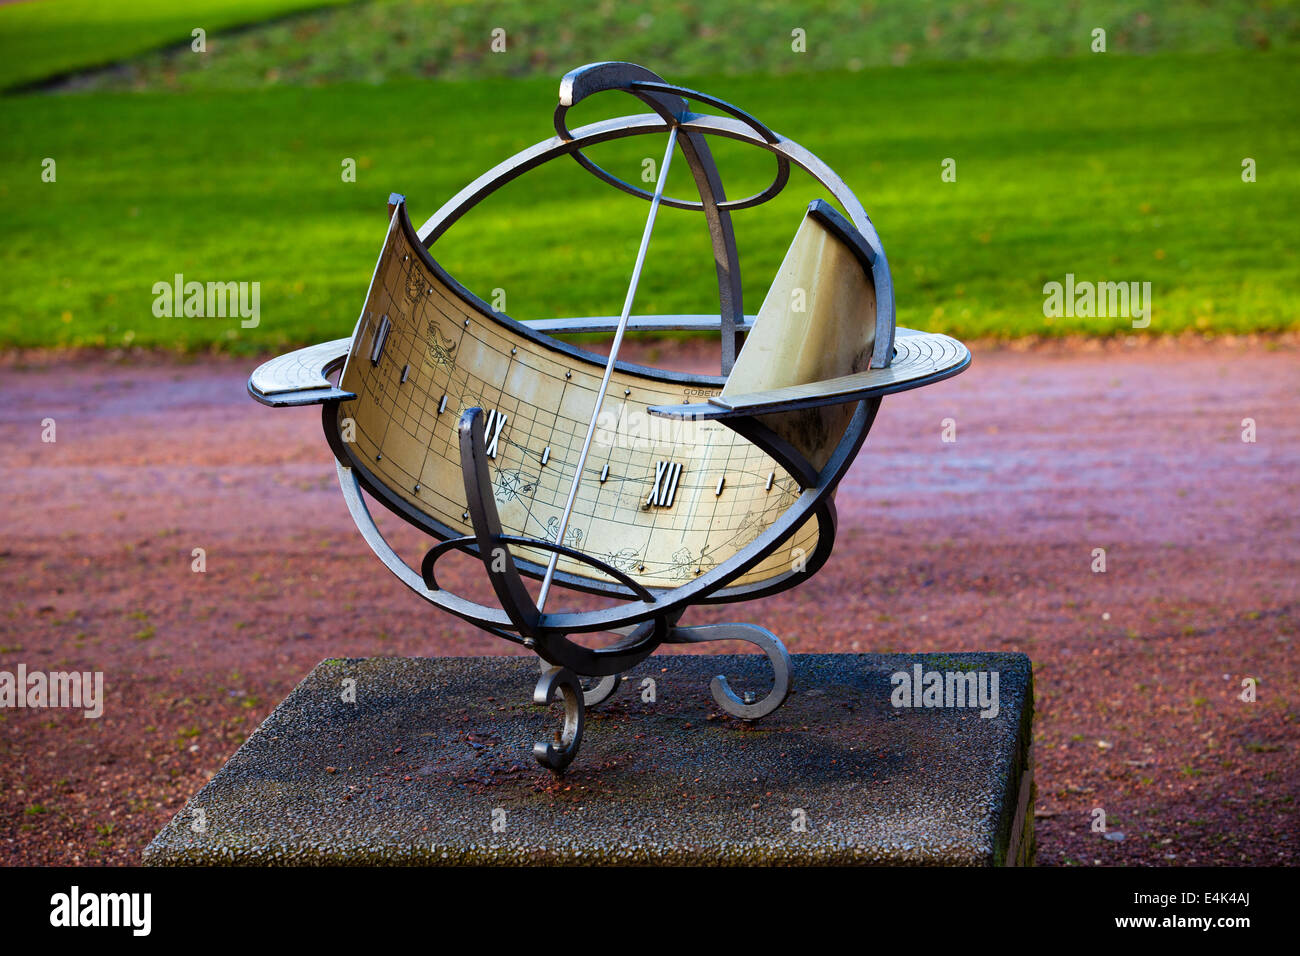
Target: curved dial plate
662,500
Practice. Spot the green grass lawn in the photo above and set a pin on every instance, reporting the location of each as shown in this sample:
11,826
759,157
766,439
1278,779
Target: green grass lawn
450,39
1111,168
42,38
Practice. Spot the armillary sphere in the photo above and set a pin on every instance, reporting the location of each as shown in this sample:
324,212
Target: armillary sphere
495,437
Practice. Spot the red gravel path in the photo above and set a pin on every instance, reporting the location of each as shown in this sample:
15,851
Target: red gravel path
985,543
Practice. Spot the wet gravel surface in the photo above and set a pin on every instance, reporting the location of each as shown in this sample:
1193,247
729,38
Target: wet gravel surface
982,544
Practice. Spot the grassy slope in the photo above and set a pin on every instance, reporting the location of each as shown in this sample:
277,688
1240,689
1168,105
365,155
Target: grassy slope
449,39
1108,167
41,38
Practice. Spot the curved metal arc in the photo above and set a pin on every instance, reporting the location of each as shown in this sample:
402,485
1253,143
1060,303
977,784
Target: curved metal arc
639,643
746,708
639,125
727,126
540,337
492,618
454,544
726,258
486,522
809,564
612,76
688,94
668,103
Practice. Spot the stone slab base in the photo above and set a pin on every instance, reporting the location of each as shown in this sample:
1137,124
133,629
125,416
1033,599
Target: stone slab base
432,765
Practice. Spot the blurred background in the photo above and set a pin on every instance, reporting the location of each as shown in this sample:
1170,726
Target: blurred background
226,164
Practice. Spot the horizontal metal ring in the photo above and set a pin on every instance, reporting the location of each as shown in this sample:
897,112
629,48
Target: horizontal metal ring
438,550
639,88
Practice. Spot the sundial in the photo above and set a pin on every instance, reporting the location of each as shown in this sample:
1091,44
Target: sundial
655,488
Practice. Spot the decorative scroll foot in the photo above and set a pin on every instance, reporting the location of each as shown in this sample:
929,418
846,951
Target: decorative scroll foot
747,708
560,683
601,691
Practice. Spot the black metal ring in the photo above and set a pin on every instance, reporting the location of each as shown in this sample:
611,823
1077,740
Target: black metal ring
438,550
636,88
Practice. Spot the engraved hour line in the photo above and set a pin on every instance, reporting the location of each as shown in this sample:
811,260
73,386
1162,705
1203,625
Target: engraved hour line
604,471
704,456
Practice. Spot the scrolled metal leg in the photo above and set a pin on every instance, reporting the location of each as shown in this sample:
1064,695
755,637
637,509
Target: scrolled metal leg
601,691
556,683
597,693
748,708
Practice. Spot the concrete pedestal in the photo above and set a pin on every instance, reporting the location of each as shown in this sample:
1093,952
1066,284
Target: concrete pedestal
432,764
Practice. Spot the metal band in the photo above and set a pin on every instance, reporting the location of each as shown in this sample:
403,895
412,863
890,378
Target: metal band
730,127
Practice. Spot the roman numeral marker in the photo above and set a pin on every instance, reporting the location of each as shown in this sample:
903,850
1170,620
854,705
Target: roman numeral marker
381,336
492,431
667,474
